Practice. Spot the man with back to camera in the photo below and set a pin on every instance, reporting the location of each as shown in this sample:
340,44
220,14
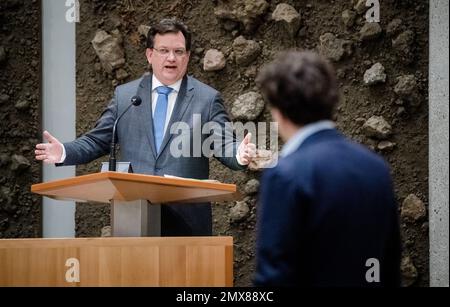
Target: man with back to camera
327,212
168,96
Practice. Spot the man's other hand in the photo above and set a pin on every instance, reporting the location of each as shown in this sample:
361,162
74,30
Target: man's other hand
247,150
50,152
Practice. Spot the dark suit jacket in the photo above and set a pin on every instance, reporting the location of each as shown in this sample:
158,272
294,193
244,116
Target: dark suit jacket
137,145
324,211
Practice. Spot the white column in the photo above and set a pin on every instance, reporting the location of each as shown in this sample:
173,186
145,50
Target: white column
438,129
58,107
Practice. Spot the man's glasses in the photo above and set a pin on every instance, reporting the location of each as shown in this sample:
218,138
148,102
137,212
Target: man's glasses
165,52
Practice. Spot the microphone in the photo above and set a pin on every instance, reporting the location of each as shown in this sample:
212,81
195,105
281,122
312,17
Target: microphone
135,101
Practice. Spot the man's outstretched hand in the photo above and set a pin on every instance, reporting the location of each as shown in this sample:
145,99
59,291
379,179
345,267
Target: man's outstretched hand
50,152
247,150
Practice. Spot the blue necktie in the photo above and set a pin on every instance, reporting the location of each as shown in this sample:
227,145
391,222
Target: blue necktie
159,118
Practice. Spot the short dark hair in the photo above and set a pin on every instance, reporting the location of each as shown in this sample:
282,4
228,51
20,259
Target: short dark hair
168,26
301,85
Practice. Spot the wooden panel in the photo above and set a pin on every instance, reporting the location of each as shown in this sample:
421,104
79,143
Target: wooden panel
89,268
177,261
140,266
173,274
209,258
103,187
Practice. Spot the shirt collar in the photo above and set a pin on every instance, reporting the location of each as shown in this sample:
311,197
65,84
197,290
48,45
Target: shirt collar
175,86
303,133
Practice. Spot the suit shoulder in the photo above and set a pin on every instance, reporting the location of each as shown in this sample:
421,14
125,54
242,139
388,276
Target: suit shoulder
341,150
204,88
129,86
286,176
371,156
288,168
124,92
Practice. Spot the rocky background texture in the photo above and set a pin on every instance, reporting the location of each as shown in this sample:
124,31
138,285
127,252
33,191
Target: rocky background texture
20,211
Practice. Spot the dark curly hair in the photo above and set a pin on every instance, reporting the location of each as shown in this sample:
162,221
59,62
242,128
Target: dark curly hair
301,85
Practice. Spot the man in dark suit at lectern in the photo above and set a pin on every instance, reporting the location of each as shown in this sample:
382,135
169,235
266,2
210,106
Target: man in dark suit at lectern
169,97
327,214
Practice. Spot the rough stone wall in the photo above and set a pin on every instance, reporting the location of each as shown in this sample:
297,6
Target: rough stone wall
382,71
20,211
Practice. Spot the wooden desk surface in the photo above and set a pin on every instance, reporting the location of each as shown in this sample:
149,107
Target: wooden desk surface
103,187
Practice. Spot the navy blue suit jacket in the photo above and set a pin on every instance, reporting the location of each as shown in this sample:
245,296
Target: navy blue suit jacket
325,210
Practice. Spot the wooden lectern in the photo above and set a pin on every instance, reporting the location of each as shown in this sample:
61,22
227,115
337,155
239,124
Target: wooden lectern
131,261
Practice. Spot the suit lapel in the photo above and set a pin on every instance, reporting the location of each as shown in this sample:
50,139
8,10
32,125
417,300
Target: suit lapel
183,100
144,91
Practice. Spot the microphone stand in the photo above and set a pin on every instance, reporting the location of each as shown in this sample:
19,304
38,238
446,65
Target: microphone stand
135,101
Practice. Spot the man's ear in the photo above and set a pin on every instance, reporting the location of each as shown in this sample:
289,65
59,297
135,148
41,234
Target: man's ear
149,55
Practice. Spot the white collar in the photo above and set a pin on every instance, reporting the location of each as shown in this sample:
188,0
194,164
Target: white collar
175,86
303,133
